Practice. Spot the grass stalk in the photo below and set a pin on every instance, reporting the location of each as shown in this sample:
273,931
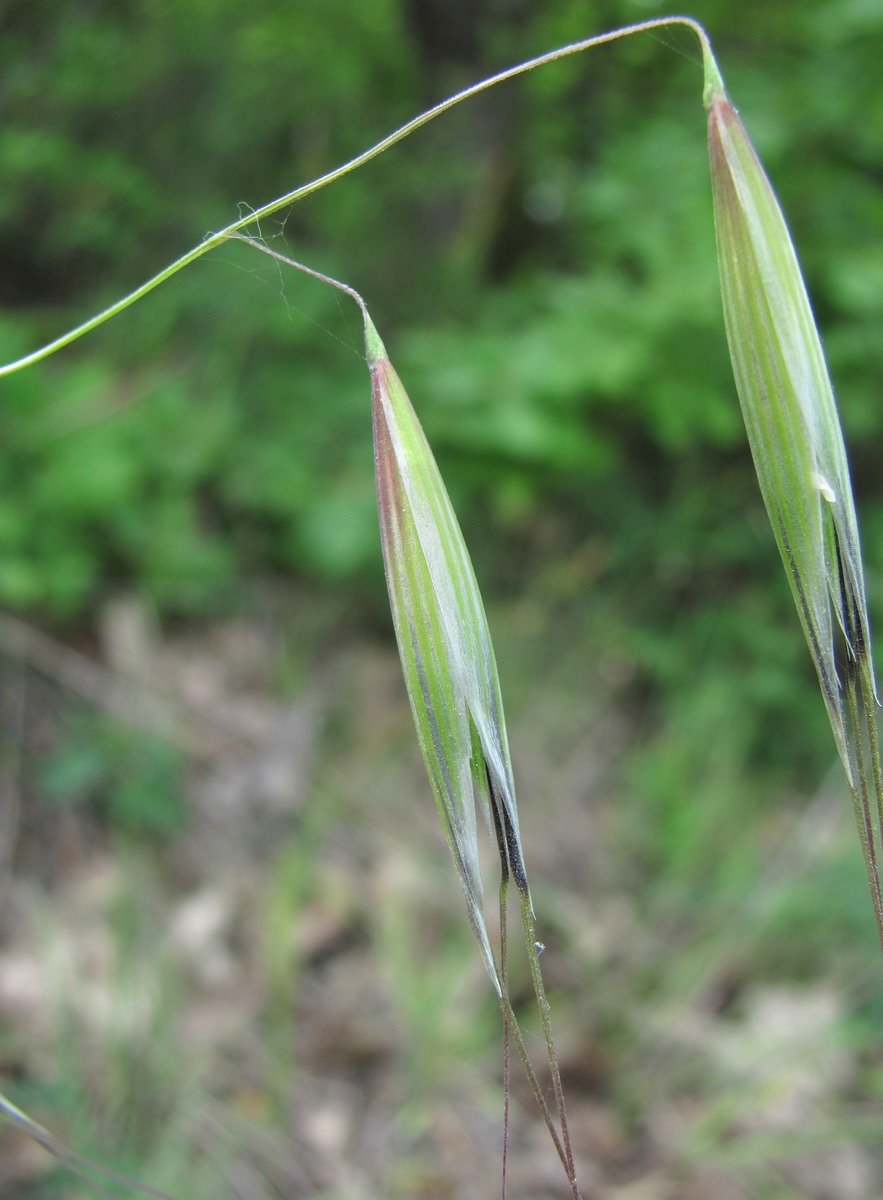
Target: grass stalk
252,219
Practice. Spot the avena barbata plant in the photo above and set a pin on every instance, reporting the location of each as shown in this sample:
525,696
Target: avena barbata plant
441,629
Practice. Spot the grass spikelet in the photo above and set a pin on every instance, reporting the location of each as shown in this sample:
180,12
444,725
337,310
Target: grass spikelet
451,677
444,641
797,445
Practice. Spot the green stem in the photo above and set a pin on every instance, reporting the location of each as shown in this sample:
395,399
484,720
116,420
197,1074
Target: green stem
290,262
214,240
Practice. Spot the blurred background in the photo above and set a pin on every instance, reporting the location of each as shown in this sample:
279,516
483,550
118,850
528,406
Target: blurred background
233,954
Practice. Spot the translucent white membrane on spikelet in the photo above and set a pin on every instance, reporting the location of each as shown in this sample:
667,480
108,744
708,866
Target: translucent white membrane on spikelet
787,402
443,637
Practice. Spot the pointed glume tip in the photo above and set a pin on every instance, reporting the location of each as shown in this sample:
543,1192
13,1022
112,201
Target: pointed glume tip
374,348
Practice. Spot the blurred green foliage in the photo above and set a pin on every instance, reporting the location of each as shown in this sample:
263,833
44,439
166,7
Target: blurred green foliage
133,779
540,262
